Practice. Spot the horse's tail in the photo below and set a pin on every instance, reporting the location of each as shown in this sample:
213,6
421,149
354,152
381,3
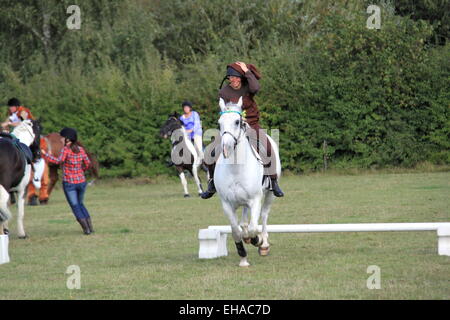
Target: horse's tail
94,167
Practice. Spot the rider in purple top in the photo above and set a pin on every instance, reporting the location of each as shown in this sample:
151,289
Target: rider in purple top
193,126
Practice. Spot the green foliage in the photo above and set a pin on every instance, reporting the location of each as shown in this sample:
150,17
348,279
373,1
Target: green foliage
378,98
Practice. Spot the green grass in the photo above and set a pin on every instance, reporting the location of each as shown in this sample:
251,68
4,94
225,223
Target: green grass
146,244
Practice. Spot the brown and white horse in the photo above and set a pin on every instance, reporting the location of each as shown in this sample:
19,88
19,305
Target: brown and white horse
15,170
184,155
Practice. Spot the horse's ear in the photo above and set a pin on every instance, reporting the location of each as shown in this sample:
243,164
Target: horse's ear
176,114
240,102
222,105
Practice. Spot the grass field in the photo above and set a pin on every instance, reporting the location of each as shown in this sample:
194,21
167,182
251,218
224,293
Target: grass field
146,243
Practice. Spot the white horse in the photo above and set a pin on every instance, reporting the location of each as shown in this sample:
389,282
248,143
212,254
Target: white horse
238,179
15,173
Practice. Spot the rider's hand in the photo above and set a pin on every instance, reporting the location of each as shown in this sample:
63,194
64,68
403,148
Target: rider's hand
242,65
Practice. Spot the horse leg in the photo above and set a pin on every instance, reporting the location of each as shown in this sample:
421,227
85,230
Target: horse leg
265,245
21,194
20,214
184,183
236,233
244,225
5,214
197,179
53,179
255,212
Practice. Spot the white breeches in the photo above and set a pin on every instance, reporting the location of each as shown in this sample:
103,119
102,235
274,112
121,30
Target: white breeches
198,144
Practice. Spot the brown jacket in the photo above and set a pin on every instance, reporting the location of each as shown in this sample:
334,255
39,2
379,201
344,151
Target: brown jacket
248,90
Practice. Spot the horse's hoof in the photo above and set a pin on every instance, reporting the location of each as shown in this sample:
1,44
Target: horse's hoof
33,201
263,251
244,264
247,240
187,196
5,231
23,237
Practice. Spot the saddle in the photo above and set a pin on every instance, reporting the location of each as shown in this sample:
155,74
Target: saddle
23,149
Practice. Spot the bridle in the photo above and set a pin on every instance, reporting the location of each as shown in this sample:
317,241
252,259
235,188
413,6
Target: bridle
241,125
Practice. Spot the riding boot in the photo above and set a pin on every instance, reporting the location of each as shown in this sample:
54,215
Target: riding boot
211,190
276,188
89,223
84,225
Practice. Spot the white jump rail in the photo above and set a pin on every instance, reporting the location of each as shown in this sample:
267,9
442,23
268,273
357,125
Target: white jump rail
213,241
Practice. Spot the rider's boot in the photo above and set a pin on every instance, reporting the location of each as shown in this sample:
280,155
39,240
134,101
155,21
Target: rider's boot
211,190
276,188
84,226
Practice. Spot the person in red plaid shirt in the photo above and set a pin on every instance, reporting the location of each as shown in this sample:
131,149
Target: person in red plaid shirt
74,162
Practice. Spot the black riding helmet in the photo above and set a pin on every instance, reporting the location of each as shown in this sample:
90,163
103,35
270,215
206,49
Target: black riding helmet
13,102
69,133
231,72
186,103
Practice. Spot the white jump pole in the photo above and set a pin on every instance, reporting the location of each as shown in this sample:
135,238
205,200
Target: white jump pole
4,242
213,239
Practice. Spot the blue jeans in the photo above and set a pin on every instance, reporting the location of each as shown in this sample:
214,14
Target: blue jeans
75,195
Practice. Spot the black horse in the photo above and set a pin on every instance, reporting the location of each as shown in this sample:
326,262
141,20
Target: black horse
183,154
15,169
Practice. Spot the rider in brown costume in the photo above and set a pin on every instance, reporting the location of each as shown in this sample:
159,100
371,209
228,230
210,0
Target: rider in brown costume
244,83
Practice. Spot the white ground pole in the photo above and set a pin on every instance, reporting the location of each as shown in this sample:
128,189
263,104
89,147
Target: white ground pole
4,256
213,241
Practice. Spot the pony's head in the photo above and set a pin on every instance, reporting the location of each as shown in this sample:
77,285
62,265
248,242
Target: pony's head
231,125
36,144
172,123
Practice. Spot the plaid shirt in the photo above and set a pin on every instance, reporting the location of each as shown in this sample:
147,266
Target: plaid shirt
73,171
